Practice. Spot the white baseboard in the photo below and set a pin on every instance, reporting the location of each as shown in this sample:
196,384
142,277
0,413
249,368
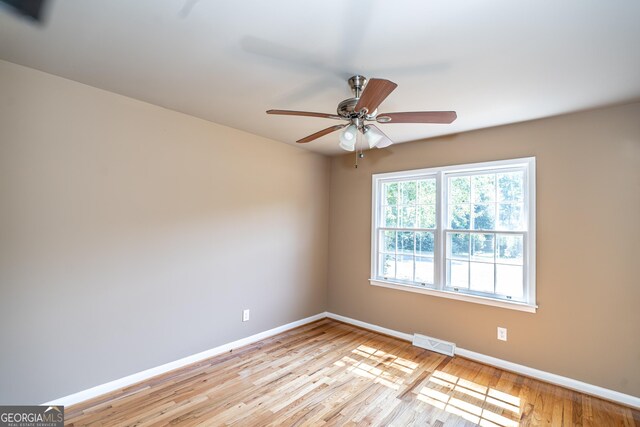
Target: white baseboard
101,389
371,327
572,384
569,383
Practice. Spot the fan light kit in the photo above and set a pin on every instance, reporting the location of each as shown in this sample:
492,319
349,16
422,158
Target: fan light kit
362,108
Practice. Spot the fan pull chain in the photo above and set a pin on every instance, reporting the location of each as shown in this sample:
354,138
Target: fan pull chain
358,150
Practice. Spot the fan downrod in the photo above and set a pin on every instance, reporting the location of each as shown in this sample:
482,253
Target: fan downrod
357,84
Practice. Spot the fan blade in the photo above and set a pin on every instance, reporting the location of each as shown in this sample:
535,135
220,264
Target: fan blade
385,141
304,113
443,117
323,132
374,93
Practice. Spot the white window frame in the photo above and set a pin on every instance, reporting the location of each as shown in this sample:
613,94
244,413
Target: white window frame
440,288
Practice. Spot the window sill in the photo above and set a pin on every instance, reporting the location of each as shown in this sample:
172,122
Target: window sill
511,305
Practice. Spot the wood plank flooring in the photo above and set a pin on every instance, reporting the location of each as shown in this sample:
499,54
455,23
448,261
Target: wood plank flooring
330,373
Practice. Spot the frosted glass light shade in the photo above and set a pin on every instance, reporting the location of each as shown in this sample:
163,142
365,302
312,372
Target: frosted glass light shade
375,138
348,138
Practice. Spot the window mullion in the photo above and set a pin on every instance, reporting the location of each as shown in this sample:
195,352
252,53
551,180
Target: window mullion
441,213
414,256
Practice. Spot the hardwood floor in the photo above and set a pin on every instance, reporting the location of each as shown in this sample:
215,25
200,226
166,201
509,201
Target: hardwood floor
330,373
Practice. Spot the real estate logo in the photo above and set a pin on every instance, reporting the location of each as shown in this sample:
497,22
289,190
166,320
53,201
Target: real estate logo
31,416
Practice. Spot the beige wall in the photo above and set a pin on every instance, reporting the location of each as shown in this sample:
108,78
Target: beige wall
131,235
588,219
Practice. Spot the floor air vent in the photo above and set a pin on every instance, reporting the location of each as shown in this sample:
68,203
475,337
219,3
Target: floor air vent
434,344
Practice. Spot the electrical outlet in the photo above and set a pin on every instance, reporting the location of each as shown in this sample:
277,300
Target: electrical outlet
502,333
245,315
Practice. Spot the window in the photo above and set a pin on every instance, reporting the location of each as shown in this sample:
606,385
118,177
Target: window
464,232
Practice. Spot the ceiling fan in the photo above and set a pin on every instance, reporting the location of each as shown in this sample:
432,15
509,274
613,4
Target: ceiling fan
363,108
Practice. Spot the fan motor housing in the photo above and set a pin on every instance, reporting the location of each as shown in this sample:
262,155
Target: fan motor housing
347,109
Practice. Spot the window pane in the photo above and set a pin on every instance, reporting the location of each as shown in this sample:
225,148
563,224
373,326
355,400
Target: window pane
482,247
388,242
481,277
424,270
459,217
458,245
510,216
407,217
427,191
388,266
390,194
404,267
390,216
426,216
509,280
424,243
459,190
457,274
510,249
406,242
510,187
484,217
408,192
484,188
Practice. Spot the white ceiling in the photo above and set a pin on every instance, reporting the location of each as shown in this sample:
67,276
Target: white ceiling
494,61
